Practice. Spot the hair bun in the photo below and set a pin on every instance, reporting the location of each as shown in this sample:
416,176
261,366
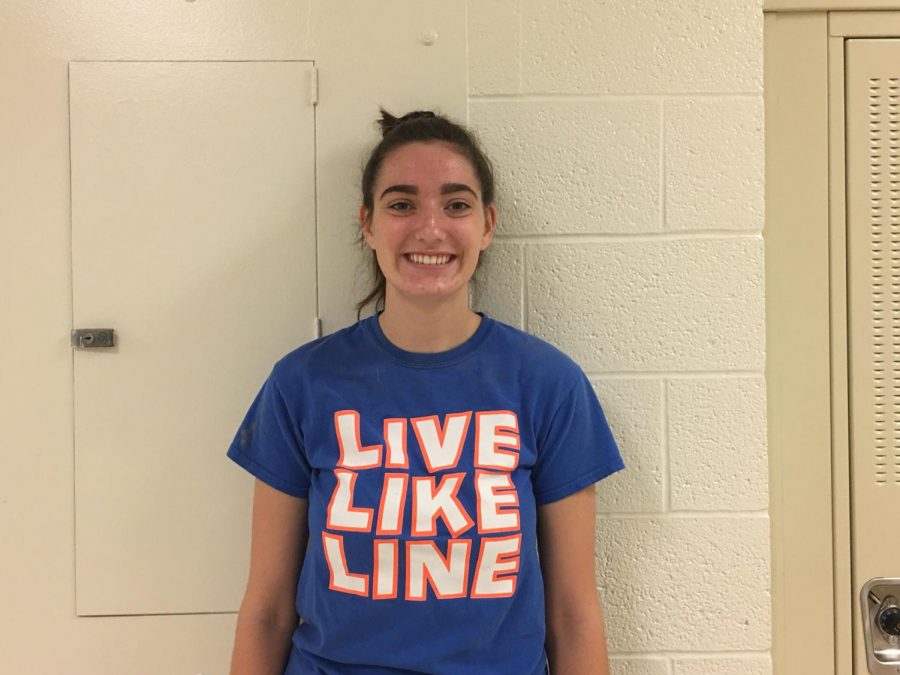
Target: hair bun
388,122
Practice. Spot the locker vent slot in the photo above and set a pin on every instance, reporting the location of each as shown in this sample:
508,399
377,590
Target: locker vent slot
884,213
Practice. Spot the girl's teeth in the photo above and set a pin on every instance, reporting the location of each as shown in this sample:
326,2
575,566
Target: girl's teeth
429,259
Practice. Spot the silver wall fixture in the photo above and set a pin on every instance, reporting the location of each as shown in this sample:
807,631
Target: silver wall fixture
91,338
880,602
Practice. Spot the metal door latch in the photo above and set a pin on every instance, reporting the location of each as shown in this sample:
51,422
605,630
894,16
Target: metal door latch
881,624
87,338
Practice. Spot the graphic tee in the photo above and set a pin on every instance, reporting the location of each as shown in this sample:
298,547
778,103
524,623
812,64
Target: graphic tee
423,472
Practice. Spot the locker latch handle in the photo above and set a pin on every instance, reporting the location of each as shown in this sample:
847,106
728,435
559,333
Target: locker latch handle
881,624
91,338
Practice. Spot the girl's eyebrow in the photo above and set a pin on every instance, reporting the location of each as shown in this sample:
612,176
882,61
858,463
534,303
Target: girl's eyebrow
446,189
449,188
405,189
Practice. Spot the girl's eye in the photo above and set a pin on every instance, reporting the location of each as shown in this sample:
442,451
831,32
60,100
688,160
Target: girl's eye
458,206
400,206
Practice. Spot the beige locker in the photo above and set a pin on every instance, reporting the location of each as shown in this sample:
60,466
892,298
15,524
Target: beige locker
194,238
832,88
873,263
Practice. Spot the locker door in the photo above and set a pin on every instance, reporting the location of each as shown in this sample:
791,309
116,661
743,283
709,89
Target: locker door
193,236
873,258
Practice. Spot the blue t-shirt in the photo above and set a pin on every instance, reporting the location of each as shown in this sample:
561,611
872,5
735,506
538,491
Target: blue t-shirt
423,472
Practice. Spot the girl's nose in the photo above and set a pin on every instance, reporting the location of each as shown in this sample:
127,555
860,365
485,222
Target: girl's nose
430,227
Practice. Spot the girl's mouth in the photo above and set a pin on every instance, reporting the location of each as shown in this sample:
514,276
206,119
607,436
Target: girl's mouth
425,259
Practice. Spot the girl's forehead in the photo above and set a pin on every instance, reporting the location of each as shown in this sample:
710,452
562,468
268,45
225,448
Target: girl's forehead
426,162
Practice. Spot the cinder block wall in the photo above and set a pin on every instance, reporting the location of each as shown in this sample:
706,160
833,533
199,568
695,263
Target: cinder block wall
628,140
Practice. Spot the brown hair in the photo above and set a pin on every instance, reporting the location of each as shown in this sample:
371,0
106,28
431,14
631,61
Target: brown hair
417,126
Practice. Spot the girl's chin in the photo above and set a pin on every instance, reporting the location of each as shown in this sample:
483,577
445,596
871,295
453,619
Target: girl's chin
430,292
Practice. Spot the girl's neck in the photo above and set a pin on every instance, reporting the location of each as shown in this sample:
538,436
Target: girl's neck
428,329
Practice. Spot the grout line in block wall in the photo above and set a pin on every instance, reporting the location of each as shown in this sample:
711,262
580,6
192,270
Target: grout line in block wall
523,306
615,237
699,655
666,462
681,375
686,515
185,60
647,657
524,97
662,167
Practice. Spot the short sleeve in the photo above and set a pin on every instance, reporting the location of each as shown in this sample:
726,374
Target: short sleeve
576,448
268,444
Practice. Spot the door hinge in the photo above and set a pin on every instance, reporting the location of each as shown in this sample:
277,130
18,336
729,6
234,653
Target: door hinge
314,86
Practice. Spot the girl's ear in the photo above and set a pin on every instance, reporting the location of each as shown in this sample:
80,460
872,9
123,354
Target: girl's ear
490,225
365,224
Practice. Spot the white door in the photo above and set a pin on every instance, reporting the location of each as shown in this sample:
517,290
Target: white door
873,261
193,237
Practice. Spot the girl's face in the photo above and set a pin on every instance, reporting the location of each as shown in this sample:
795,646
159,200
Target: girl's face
428,224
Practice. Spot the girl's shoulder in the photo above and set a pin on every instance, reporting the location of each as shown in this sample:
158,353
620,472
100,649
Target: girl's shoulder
322,354
535,354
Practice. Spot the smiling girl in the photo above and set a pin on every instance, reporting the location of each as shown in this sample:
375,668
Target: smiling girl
424,499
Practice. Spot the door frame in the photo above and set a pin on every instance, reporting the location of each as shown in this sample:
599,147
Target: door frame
807,365
412,64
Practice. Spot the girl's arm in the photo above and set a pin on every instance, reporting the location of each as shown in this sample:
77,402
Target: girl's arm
267,617
576,639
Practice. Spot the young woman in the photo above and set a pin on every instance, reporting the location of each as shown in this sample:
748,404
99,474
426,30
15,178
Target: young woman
412,466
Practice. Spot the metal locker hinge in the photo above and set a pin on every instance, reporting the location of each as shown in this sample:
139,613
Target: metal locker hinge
88,338
314,86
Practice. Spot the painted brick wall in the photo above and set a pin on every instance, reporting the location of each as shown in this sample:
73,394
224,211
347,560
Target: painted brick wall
628,143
